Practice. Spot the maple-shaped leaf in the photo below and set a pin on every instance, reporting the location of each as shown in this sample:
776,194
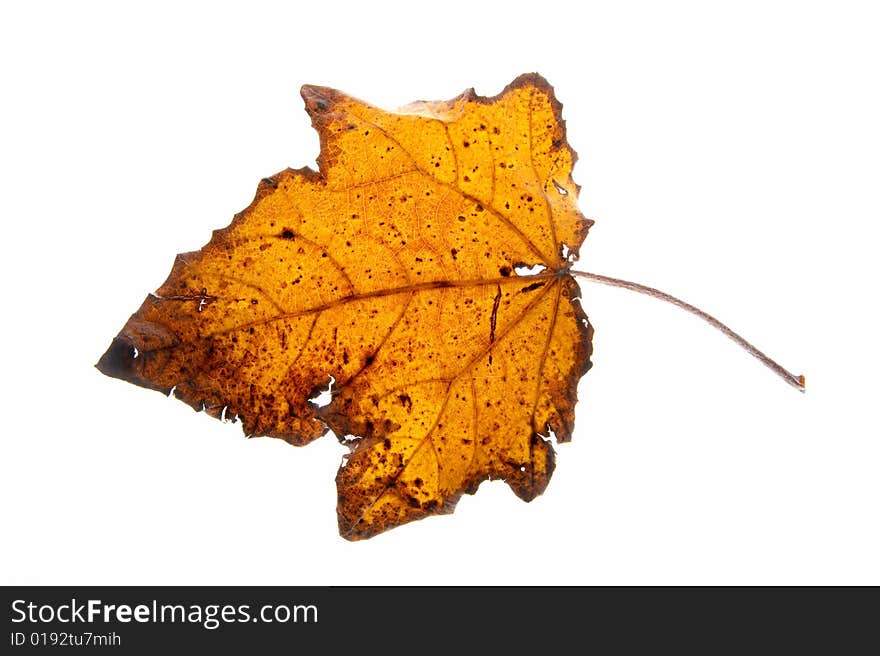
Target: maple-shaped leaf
393,270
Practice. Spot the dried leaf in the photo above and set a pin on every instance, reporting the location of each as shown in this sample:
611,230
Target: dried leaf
393,270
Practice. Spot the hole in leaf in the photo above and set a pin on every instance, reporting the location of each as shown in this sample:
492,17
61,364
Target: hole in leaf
562,190
323,396
526,270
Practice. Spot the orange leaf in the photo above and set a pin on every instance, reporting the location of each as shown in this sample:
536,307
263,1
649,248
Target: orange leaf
392,269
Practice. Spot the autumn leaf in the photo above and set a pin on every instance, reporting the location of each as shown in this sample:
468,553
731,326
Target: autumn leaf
393,269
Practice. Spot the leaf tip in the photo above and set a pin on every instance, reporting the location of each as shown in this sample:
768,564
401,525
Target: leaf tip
531,80
318,99
118,359
123,360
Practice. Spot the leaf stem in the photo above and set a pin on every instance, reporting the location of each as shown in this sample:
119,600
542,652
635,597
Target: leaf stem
798,382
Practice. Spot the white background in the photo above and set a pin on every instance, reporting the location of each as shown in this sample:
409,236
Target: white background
728,153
